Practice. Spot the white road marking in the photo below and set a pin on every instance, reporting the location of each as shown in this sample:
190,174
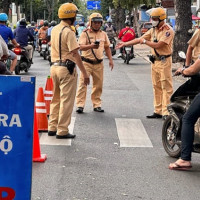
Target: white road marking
132,133
51,140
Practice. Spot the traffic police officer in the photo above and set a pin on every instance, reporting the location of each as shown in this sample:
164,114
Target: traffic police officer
92,43
160,39
193,50
64,55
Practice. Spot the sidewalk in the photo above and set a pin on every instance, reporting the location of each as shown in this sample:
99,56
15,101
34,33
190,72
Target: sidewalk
144,50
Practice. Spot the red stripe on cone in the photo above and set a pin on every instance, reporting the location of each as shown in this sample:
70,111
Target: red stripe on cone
37,156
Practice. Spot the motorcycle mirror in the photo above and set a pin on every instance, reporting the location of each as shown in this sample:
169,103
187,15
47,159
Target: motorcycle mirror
182,54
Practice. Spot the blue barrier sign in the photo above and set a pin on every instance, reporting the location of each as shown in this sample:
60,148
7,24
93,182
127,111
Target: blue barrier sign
17,96
94,5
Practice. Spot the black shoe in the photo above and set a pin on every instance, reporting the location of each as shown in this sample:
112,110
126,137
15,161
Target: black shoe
68,136
51,133
164,117
31,60
98,109
79,110
154,115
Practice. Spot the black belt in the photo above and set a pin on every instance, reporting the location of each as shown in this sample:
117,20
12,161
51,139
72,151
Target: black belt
94,62
161,57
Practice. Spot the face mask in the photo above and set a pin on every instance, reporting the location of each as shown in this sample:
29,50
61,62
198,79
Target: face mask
155,23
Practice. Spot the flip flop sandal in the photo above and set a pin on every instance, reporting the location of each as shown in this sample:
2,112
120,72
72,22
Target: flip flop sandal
178,167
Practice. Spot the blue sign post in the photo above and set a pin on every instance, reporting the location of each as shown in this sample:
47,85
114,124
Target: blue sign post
94,5
16,136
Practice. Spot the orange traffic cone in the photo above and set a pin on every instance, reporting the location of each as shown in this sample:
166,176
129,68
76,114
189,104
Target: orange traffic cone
37,156
41,111
48,93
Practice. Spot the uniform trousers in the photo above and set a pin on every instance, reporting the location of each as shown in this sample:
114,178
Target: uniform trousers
96,71
64,92
161,73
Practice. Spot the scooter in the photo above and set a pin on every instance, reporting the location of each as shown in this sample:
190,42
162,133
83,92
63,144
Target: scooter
112,45
44,49
127,55
23,62
49,53
179,104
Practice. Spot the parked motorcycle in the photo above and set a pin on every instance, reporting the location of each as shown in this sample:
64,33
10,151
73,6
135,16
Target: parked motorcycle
23,62
180,102
112,45
126,54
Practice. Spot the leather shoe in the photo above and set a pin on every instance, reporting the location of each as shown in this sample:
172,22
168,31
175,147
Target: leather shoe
164,117
154,115
68,136
98,109
79,110
51,133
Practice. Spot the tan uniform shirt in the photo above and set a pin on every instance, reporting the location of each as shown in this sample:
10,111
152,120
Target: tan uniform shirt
165,34
100,35
195,43
68,43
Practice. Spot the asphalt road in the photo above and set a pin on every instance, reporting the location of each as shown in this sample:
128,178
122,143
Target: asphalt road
94,166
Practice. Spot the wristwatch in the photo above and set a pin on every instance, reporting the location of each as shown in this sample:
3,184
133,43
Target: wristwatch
144,41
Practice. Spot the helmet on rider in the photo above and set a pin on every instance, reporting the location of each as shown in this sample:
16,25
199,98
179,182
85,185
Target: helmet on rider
95,17
127,23
46,23
53,23
3,17
68,11
81,24
22,22
109,20
157,16
32,23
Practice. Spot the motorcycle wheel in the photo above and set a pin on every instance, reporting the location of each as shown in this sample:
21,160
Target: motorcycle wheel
169,138
17,69
44,55
127,59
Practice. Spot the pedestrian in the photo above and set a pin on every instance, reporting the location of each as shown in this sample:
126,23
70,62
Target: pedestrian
7,35
160,39
64,55
188,121
193,49
92,43
23,36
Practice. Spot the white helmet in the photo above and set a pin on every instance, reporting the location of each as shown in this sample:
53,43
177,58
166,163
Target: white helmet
109,20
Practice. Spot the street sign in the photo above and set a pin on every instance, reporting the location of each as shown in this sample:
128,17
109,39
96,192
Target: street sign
16,136
94,5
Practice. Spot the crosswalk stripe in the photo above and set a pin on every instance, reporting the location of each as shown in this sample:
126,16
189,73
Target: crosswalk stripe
51,140
132,133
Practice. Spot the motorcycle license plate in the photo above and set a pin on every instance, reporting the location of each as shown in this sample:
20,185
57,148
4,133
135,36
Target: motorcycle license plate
128,48
44,46
18,57
111,45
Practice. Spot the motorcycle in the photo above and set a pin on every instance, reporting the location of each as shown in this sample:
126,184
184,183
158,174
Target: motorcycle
179,104
23,62
126,54
49,53
112,45
44,49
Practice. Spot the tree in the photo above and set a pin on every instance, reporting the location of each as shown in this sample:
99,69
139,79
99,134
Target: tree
5,5
183,17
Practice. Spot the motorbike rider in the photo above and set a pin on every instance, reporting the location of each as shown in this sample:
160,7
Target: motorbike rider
42,33
81,28
22,36
193,49
93,42
125,35
7,35
188,121
110,29
52,24
160,39
64,55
